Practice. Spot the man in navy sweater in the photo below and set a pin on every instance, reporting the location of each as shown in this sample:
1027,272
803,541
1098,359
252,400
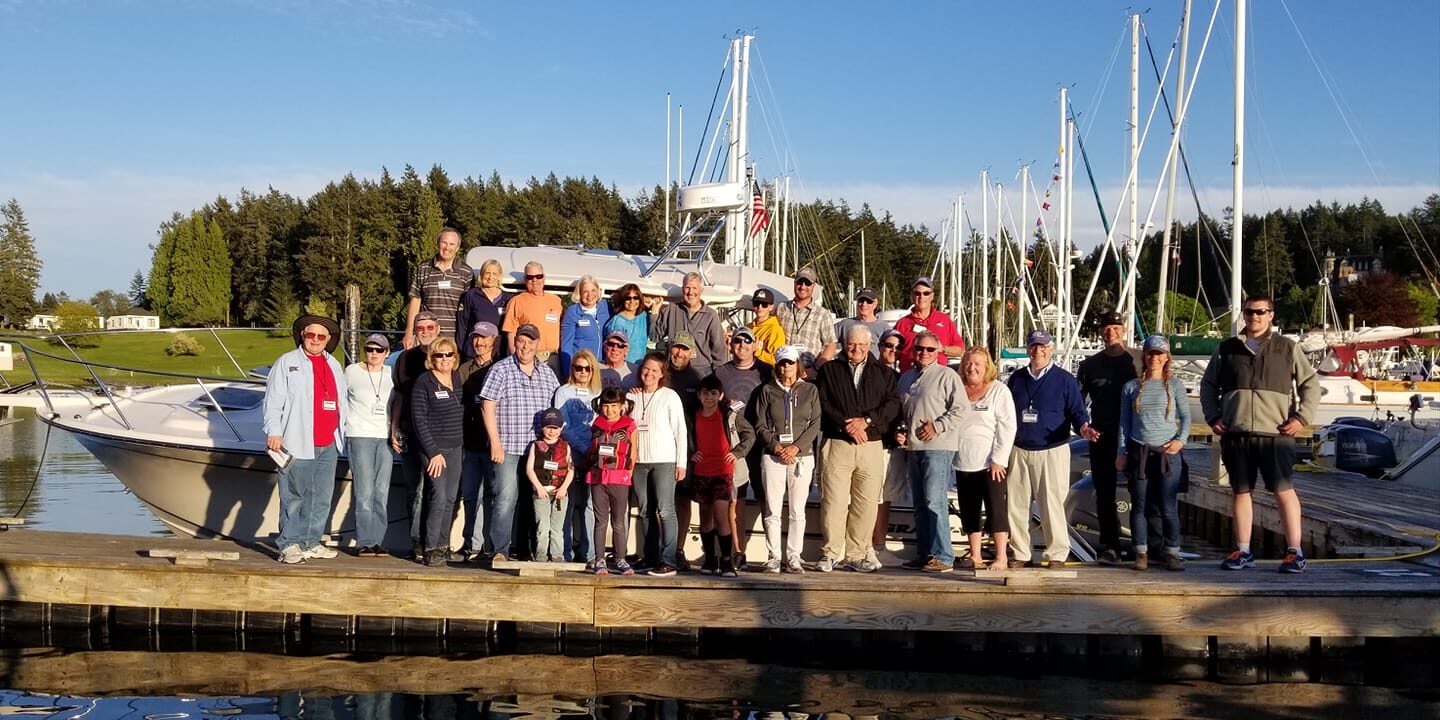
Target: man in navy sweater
1048,404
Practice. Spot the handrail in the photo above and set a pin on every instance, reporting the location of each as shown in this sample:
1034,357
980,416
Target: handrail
221,343
101,383
219,408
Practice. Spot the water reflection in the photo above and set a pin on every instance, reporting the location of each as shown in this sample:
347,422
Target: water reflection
74,492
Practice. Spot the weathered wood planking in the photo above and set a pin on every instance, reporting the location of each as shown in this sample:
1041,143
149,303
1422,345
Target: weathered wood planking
1330,600
537,680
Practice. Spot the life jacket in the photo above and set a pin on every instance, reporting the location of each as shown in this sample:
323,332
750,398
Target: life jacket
616,469
560,454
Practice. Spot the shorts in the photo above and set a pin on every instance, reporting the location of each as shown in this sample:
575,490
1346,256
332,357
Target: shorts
713,488
1271,457
897,479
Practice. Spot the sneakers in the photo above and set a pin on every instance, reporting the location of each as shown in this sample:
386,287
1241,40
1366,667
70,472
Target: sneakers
794,567
321,552
710,565
868,564
623,568
682,565
1014,564
727,567
498,558
771,566
437,558
825,564
916,564
662,570
1109,557
1293,563
372,551
292,555
601,570
934,565
1175,563
738,559
1142,561
1241,559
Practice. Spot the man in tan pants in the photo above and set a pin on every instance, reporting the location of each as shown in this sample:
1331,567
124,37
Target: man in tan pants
1047,404
858,402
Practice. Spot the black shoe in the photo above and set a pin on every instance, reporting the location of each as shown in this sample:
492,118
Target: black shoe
727,567
738,561
1109,557
662,570
709,566
915,564
437,558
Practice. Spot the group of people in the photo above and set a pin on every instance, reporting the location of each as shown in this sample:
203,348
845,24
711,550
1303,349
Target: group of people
599,406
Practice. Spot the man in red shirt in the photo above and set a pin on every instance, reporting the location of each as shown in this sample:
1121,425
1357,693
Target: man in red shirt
924,316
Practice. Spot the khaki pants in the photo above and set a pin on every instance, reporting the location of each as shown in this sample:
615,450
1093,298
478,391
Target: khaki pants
1044,475
851,477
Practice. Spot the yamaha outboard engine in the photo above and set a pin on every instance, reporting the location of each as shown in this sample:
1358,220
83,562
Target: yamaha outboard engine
1356,449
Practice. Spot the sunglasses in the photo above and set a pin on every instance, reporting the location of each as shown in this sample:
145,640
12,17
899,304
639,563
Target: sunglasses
783,363
864,300
762,304
804,282
374,350
890,346
442,355
317,336
632,298
924,349
580,368
427,327
923,293
1252,312
541,276
742,339
615,344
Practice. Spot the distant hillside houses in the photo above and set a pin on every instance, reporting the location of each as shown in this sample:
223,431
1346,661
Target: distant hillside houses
135,319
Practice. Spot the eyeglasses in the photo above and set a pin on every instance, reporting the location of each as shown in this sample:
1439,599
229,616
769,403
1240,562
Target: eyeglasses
580,368
374,350
864,300
804,282
890,346
442,355
783,363
528,277
427,327
632,298
742,339
924,349
615,344
923,293
317,336
1252,312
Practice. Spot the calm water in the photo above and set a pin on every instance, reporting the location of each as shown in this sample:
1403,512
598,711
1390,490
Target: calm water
75,493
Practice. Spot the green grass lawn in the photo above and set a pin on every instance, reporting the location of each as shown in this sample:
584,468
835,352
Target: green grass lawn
146,350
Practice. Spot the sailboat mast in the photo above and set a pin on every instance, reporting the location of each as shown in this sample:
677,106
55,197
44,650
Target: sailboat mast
1062,258
733,171
1238,201
742,147
1024,228
1000,245
1068,182
985,258
1160,319
1133,245
667,167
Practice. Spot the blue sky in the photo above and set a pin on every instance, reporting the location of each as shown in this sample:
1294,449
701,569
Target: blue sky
118,113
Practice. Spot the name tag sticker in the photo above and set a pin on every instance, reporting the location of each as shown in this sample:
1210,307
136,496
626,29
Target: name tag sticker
442,394
379,411
787,438
643,427
329,405
552,465
980,407
552,318
584,322
737,406
443,284
1029,416
607,450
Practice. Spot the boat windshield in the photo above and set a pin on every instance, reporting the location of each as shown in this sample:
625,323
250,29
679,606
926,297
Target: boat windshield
234,398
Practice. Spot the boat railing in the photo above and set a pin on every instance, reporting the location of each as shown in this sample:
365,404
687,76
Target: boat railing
27,342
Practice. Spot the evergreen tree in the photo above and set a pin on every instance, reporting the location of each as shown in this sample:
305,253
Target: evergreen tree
137,291
193,267
19,267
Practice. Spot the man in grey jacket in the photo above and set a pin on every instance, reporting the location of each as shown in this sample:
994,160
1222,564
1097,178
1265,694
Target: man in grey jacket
1258,391
932,396
691,315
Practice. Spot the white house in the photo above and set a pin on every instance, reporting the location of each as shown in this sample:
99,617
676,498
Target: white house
136,319
41,322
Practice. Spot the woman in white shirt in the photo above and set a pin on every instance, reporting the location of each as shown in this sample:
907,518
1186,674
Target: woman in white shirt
660,419
367,427
987,433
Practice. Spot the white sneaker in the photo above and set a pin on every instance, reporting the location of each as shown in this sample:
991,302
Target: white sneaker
794,566
321,552
292,555
772,566
824,564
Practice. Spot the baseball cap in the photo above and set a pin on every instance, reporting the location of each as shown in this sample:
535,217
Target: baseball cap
1111,318
618,334
743,331
788,352
807,273
528,331
867,293
377,340
923,280
895,334
762,295
426,315
683,339
484,329
551,418
1157,343
1038,337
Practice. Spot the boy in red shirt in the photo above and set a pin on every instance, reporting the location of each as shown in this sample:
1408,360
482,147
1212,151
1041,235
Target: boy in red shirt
719,438
613,453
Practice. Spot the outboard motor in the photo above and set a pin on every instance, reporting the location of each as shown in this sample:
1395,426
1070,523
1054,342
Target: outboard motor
1356,449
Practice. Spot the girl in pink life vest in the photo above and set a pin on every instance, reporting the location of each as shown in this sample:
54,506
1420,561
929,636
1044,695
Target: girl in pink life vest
613,454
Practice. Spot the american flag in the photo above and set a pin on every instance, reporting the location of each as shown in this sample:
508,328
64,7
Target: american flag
759,216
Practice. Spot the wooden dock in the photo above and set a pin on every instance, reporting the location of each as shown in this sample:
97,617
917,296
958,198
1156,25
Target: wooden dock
105,579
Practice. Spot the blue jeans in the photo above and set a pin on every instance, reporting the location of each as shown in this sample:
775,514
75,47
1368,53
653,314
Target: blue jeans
930,475
305,490
654,485
440,501
370,467
476,474
580,530
1154,480
502,493
412,465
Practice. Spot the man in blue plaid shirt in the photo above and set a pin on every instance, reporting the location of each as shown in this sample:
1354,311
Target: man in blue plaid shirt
517,390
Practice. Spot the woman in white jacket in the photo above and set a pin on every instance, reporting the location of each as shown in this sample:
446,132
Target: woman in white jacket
660,419
987,433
